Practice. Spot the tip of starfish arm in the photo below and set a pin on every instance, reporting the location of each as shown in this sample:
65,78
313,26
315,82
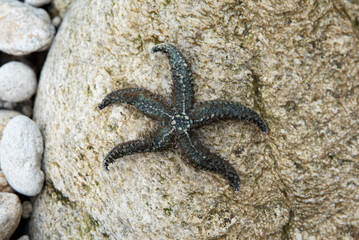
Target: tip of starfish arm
263,127
105,165
164,47
237,187
265,131
155,49
101,106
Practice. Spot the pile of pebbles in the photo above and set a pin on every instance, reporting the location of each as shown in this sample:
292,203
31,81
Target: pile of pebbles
25,30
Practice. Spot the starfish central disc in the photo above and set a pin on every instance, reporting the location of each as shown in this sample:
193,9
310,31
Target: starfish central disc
181,123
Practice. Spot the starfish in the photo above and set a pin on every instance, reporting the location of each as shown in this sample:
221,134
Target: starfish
179,120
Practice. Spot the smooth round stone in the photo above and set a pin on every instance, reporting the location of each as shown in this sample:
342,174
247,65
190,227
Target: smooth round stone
17,82
23,28
10,214
27,110
24,237
37,3
56,21
5,116
21,151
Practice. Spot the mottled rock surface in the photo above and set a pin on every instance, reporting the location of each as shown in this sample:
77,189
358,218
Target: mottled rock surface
24,29
21,153
61,6
10,214
294,62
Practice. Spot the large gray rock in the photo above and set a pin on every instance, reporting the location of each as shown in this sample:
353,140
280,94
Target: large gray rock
296,68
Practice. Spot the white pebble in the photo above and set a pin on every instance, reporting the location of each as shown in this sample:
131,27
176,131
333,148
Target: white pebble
24,237
24,29
56,21
27,110
5,116
7,105
10,214
17,82
26,209
21,151
37,3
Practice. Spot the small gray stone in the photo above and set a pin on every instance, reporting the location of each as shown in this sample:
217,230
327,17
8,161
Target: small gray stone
7,105
56,21
37,3
27,110
24,237
24,29
17,82
26,209
10,214
21,151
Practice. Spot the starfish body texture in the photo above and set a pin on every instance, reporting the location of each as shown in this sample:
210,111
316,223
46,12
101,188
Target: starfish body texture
180,119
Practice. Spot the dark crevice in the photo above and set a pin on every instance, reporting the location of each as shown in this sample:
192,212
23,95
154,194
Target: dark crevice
287,227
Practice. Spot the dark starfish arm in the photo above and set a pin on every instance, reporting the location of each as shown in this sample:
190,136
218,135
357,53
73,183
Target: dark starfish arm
126,148
145,101
211,111
182,96
200,157
161,140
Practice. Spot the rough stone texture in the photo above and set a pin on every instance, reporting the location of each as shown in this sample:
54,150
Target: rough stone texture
24,29
17,82
61,6
294,62
10,214
21,153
